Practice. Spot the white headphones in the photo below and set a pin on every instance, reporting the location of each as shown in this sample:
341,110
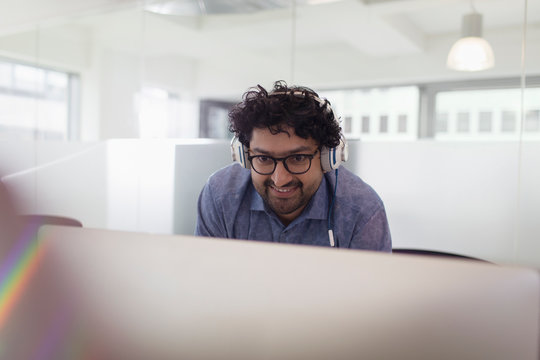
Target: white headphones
331,158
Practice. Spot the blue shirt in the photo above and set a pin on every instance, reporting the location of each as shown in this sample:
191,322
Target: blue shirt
230,207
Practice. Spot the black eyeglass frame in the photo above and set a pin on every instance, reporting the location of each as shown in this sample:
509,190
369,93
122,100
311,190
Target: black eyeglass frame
283,161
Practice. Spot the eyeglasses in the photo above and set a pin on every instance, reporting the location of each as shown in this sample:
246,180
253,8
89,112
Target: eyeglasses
295,164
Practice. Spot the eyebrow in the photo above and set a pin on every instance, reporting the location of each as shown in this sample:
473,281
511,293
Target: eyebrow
297,150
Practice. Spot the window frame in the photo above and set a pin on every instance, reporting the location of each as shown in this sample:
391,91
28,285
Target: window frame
428,94
427,117
72,97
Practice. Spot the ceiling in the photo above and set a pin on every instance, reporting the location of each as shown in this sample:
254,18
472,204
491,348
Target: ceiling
428,16
401,26
349,33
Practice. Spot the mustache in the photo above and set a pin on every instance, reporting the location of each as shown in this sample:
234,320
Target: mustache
269,182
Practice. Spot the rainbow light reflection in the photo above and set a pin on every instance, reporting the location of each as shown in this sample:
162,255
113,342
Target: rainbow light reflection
17,270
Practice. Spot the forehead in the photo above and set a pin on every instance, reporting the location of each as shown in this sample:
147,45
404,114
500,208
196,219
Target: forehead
284,142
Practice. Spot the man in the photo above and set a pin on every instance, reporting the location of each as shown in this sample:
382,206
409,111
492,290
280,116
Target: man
287,187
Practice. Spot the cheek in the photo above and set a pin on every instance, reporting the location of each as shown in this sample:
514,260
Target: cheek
258,179
312,180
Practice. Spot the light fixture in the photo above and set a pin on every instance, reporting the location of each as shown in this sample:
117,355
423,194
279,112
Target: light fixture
471,52
221,7
213,7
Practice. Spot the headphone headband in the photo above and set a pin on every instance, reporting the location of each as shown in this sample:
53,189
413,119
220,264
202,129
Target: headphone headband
331,158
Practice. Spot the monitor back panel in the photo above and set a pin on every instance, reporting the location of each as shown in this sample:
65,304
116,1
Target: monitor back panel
120,295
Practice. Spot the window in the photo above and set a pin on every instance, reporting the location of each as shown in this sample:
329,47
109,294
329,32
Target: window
532,121
384,113
463,122
37,102
402,123
347,124
484,121
489,109
508,121
365,124
383,124
158,113
442,122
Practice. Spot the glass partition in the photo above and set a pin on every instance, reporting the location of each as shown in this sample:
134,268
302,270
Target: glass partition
453,154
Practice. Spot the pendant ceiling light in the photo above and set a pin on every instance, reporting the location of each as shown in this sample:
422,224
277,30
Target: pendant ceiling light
471,52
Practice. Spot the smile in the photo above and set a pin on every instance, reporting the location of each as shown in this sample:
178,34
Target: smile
283,192
286,190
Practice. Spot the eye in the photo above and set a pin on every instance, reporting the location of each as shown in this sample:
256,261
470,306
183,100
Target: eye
263,160
299,158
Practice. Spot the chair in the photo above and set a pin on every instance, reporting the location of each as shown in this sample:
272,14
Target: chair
434,253
39,220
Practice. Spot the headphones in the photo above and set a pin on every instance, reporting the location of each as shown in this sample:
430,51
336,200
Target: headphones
331,158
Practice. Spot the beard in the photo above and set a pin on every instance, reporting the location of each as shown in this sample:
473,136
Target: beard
284,206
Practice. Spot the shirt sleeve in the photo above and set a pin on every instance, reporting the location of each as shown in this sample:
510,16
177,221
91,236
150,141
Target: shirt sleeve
374,235
210,219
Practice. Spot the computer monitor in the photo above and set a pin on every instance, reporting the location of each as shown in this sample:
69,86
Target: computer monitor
119,295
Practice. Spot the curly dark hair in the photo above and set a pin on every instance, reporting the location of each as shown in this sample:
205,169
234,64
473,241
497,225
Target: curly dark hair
295,106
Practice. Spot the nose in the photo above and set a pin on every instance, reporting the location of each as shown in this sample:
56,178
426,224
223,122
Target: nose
281,176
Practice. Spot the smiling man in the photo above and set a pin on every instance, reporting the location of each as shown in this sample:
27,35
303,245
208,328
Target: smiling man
287,184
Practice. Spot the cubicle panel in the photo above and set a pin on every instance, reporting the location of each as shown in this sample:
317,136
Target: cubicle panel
121,184
194,163
353,163
527,245
20,155
72,184
455,197
140,185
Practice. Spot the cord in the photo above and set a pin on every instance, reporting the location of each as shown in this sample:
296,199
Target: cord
333,243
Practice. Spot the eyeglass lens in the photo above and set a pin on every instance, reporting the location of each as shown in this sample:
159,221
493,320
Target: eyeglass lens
295,164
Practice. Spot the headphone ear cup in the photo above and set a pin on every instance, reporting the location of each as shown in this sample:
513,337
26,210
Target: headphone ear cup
239,153
331,158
